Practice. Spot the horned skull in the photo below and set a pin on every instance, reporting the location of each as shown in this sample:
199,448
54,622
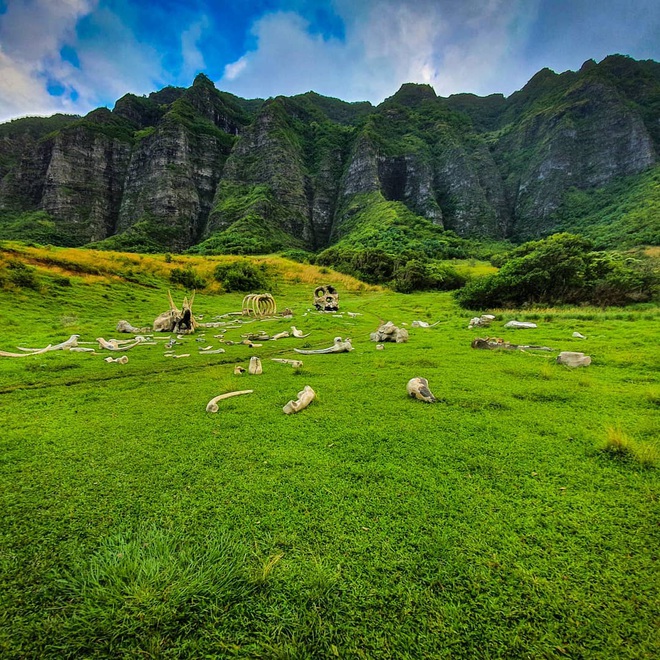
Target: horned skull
326,298
177,320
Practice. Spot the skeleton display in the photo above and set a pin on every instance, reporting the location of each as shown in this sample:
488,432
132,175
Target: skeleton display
573,359
495,343
389,332
326,298
340,346
259,305
418,388
304,399
212,405
177,320
254,368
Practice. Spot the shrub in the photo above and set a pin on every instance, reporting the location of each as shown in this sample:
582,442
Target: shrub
22,276
187,277
301,256
242,275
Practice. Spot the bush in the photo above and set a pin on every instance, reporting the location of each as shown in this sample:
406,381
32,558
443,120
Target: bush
242,275
22,276
300,256
562,269
417,275
187,278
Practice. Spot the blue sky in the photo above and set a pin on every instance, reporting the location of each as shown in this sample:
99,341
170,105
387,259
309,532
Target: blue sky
75,55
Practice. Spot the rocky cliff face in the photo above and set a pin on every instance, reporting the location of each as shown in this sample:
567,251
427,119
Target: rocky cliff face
185,165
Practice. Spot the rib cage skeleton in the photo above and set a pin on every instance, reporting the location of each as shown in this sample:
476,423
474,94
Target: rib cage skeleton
259,305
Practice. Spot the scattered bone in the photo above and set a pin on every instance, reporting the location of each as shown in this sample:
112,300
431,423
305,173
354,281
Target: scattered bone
296,364
495,343
212,405
210,351
113,345
238,370
36,352
259,305
389,332
298,333
573,359
182,355
280,335
62,346
254,368
125,326
519,325
353,314
424,324
418,388
121,360
338,347
379,347
177,320
206,348
81,349
326,298
482,321
577,335
304,399
258,336
337,316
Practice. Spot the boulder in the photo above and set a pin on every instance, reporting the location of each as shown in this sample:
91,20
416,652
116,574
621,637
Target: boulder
389,332
573,359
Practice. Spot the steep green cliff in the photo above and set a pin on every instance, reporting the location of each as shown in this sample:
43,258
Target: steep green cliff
202,168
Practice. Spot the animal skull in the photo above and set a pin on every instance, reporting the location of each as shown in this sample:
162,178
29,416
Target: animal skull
326,298
177,320
418,388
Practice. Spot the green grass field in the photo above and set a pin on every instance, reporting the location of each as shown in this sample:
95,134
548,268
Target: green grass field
515,518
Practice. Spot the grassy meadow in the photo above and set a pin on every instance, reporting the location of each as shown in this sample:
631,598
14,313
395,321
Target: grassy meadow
515,518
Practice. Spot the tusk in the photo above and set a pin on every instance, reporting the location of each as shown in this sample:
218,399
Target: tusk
304,399
212,405
63,346
37,352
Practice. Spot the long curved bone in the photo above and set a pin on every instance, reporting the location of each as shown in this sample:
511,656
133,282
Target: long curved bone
418,388
212,405
304,399
62,346
37,352
114,346
298,333
338,347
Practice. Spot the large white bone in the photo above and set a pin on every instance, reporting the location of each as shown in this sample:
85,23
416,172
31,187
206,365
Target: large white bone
280,335
217,351
298,333
296,364
114,345
519,325
338,347
254,368
304,399
212,405
63,346
418,388
37,352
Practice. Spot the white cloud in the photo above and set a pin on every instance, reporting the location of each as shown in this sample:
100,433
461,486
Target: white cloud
193,59
453,45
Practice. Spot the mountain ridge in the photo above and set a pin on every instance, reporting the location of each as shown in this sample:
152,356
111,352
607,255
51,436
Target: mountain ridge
200,168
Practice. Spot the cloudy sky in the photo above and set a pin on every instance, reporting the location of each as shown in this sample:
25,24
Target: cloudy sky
75,55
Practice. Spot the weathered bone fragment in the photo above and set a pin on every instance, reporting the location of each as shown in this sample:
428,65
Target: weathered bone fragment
259,305
379,347
113,345
120,360
577,335
215,351
238,370
389,332
418,388
519,325
254,368
353,314
280,335
326,298
256,336
423,324
125,326
62,346
304,399
338,347
212,405
296,364
177,320
298,333
81,349
37,352
181,356
482,321
573,359
495,343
